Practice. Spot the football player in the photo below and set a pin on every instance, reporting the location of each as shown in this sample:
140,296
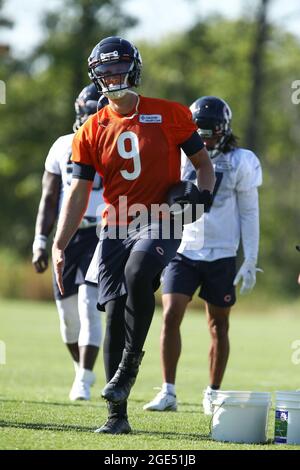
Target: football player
80,323
206,257
134,144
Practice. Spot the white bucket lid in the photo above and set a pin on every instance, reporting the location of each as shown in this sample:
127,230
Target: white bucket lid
288,395
238,397
287,399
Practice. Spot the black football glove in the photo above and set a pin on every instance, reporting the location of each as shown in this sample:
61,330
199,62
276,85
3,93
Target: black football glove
205,198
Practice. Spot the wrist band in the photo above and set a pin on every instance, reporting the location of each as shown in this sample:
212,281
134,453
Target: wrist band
39,243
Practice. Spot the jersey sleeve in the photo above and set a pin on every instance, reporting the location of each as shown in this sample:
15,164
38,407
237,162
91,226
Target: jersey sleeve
183,125
81,146
52,159
249,173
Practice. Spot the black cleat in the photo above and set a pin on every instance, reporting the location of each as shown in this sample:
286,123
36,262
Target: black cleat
118,388
115,425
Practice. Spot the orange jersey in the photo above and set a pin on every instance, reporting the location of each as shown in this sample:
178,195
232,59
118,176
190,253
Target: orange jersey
137,156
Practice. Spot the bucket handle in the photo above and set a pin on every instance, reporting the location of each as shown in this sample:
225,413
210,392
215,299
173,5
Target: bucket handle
213,414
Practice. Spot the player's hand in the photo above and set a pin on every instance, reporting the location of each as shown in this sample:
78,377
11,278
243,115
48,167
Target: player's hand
58,259
206,198
40,260
246,274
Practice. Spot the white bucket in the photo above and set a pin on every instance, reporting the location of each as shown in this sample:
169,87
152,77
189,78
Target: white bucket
287,418
240,416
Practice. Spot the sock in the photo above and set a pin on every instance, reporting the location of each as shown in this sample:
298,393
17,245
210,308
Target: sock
210,388
168,388
85,375
76,366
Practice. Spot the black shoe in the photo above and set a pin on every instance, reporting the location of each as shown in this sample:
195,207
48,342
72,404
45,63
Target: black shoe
118,388
115,425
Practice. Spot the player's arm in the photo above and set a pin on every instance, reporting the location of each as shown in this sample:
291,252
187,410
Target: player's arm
73,209
197,154
46,217
248,179
248,208
204,170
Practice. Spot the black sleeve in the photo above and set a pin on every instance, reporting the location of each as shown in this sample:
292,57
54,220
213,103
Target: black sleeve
192,145
83,172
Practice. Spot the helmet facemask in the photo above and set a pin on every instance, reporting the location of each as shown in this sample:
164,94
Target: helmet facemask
218,132
113,78
214,129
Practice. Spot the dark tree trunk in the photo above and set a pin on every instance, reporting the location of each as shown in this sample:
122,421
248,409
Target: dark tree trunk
257,77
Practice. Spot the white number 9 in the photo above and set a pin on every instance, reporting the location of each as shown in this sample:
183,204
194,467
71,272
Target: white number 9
134,153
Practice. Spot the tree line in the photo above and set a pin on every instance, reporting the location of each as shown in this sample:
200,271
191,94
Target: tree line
248,62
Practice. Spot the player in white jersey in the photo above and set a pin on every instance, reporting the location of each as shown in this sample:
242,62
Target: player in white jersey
80,323
206,257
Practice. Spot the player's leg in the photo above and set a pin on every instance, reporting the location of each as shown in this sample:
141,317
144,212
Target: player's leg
67,305
114,343
89,341
219,295
69,325
180,281
218,324
145,262
90,325
112,257
174,306
140,271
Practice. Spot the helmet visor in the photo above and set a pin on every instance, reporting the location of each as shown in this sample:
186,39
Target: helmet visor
109,69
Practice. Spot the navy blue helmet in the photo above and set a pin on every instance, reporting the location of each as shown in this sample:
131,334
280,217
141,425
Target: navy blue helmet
88,102
115,66
213,118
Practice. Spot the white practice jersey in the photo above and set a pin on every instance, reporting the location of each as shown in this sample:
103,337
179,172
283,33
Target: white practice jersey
217,233
59,162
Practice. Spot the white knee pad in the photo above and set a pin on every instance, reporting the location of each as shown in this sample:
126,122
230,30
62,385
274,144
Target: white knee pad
90,321
69,319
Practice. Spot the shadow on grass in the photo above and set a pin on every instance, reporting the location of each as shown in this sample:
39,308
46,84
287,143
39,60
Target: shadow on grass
175,435
55,403
45,426
70,427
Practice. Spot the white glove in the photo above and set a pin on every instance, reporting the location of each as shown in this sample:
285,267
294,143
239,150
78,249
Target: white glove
246,273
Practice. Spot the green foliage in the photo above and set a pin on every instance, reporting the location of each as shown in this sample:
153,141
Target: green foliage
212,58
41,90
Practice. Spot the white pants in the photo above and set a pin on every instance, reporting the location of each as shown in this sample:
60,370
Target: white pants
79,318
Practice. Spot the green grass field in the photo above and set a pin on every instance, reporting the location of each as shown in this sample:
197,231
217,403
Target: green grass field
35,382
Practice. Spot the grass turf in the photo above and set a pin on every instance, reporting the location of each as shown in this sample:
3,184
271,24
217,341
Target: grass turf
35,381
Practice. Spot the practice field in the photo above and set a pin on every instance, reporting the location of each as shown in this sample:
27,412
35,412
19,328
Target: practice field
35,381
